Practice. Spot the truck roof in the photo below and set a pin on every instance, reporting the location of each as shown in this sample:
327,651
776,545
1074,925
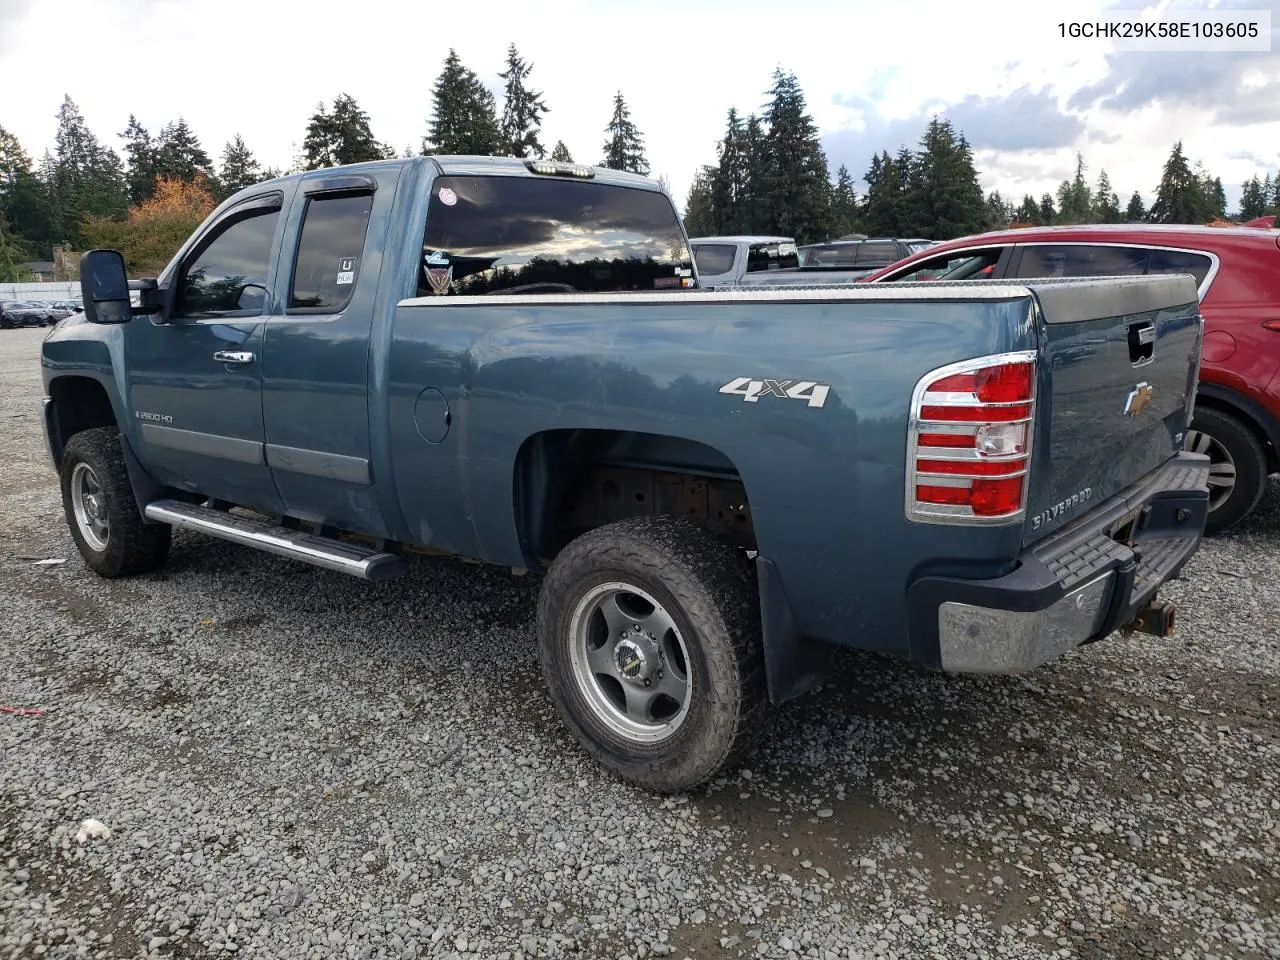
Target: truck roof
462,166
742,238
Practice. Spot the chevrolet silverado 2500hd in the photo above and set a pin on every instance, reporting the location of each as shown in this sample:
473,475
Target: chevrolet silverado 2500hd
511,361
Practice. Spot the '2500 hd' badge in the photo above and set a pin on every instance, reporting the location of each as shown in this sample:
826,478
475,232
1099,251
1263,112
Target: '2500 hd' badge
751,391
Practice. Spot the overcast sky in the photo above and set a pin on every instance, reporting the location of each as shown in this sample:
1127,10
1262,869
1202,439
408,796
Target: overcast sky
873,73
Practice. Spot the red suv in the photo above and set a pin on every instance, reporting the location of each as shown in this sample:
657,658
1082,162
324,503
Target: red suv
1237,415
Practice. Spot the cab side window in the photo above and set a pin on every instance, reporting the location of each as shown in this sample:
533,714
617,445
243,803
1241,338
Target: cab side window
329,251
228,273
1082,260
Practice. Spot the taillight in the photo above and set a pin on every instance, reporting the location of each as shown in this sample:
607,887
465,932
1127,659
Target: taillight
969,446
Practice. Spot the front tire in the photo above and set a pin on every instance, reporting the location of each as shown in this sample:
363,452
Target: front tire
101,512
1237,466
649,638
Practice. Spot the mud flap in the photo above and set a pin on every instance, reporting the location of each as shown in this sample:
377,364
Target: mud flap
793,664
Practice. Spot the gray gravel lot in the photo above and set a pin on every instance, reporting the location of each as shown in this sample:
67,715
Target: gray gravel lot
293,763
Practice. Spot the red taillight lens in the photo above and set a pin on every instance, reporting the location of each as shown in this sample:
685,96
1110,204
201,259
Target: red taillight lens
986,498
975,470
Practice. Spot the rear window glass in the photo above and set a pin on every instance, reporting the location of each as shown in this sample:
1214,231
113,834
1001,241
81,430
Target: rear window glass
831,255
713,258
1178,261
523,235
877,254
772,256
1082,261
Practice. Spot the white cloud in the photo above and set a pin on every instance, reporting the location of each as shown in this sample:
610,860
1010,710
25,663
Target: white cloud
258,69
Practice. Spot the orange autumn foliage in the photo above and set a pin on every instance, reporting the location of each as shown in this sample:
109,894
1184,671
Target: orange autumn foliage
152,231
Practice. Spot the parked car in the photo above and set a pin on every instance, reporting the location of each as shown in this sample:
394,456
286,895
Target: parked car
64,308
24,313
776,261
718,485
1237,270
863,256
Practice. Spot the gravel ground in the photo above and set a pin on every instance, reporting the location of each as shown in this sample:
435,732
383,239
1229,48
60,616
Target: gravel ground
297,764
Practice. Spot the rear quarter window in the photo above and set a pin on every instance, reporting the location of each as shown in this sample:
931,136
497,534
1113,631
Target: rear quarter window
1180,261
713,258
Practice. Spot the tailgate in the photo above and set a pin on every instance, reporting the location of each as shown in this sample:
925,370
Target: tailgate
1119,360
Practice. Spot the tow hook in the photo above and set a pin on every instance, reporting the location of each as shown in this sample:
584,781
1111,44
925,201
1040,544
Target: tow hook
1156,618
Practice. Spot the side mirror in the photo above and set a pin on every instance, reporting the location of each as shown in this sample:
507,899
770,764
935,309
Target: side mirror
104,287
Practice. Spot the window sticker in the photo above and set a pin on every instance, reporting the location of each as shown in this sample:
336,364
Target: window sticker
448,197
347,270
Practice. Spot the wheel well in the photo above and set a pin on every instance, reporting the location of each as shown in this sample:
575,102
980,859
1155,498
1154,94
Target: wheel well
571,481
1245,417
79,403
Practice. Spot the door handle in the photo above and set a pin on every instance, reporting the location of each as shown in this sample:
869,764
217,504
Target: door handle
233,356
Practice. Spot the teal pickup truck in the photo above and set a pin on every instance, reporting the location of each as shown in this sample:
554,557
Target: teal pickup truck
512,361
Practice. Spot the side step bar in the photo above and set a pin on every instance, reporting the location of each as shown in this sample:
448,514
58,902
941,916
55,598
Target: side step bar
351,558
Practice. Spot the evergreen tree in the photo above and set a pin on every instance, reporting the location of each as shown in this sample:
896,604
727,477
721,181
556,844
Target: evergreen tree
522,110
140,151
699,212
24,201
13,253
1274,193
945,197
1181,196
1217,197
1253,202
85,178
624,145
463,119
340,136
1048,213
560,153
1075,200
797,190
885,212
1028,211
179,156
755,216
998,212
730,209
1136,212
844,204
1106,203
240,168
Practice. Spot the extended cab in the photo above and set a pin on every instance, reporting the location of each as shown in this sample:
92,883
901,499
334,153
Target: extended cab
512,361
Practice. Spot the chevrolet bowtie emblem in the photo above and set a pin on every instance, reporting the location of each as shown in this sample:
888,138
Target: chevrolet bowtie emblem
1138,399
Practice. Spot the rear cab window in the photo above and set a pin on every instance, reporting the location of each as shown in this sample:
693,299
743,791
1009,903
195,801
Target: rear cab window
537,235
714,258
874,254
327,262
772,256
831,255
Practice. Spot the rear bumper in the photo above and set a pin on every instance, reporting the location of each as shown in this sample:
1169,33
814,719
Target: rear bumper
1071,588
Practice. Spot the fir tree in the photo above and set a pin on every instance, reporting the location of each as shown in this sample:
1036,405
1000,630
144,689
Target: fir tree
560,153
463,113
522,110
340,136
24,201
140,151
1075,199
179,156
1136,212
1181,196
944,194
755,217
85,178
1106,203
844,204
998,212
700,216
240,168
1253,201
1028,211
624,145
797,192
1048,213
729,179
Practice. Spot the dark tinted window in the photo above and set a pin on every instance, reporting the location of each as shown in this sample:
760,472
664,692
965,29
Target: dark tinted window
873,253
713,258
961,265
1175,261
328,261
831,255
1082,261
230,274
771,256
549,235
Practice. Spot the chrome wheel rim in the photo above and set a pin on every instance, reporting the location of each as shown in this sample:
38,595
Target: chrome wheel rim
630,662
1222,468
89,503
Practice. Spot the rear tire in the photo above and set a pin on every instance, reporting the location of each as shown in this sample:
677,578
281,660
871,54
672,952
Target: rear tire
670,705
101,512
1237,466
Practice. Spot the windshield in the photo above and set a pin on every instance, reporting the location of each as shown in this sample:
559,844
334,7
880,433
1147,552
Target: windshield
514,235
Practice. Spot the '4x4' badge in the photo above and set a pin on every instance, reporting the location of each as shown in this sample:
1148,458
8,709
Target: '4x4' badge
752,390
